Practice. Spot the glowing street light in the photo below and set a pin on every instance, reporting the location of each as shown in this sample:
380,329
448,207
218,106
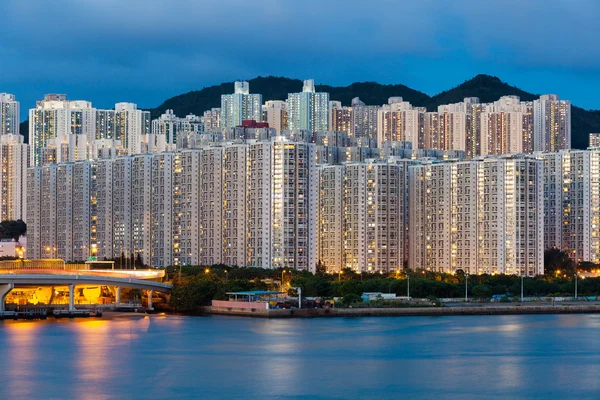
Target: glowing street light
282,272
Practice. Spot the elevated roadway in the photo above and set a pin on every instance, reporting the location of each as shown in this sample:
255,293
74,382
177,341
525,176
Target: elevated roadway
24,279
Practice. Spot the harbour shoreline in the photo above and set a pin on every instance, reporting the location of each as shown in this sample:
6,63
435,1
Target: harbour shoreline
519,309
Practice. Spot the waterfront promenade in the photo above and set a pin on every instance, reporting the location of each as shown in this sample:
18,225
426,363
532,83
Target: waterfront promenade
447,310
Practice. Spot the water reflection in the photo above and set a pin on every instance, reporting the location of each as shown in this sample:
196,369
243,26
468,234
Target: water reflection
550,357
93,358
19,357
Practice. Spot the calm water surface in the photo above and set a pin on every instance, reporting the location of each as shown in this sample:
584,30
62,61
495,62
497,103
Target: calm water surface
537,357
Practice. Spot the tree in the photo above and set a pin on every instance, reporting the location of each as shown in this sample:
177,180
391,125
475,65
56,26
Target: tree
12,229
321,269
313,286
351,298
192,294
558,263
481,291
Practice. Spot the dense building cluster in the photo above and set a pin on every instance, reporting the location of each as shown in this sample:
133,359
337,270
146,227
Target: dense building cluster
481,187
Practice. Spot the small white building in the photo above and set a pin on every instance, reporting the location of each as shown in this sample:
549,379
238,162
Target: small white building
10,248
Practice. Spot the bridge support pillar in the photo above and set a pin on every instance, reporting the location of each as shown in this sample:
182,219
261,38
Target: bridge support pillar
71,297
118,295
150,293
4,291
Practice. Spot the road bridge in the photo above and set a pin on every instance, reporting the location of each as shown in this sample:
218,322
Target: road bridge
9,281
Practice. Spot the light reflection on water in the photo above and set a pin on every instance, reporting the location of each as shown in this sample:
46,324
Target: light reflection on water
546,356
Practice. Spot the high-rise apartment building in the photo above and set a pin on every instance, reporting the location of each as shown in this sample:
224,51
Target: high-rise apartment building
309,109
480,216
162,200
128,126
433,135
275,114
240,106
375,216
502,127
211,205
166,125
551,123
363,215
572,203
506,127
105,125
365,119
459,125
141,205
211,119
331,217
235,179
249,204
594,140
175,132
341,119
399,121
132,125
9,114
14,159
62,130
57,118
65,226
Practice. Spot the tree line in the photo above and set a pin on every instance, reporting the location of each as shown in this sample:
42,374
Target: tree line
198,285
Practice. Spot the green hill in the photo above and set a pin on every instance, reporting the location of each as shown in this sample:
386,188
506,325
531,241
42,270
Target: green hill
277,88
486,88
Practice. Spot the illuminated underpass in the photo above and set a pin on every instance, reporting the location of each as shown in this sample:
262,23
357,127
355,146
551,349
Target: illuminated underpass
52,282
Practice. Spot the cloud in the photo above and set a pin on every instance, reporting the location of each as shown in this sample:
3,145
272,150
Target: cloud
183,45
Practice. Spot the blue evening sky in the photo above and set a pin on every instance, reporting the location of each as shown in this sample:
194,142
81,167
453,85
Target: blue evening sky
145,51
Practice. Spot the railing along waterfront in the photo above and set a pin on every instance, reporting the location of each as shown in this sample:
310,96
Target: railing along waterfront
46,264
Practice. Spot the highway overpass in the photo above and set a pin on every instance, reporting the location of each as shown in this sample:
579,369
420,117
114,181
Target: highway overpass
22,279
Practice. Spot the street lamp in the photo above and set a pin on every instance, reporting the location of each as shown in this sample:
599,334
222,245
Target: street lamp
207,270
282,272
340,272
575,285
466,288
226,275
407,285
521,287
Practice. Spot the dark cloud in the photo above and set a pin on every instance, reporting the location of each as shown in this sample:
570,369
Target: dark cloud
144,51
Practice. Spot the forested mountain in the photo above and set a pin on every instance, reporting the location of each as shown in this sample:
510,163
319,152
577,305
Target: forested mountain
486,88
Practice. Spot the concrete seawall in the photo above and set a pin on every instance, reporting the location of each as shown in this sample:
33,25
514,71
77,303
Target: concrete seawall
404,312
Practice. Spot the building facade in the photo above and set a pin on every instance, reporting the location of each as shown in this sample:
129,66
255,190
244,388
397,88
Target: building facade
479,216
248,204
55,121
308,110
14,159
240,106
551,123
9,114
275,113
572,203
363,216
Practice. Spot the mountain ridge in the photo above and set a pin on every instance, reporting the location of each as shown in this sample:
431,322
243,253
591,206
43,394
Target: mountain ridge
487,88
